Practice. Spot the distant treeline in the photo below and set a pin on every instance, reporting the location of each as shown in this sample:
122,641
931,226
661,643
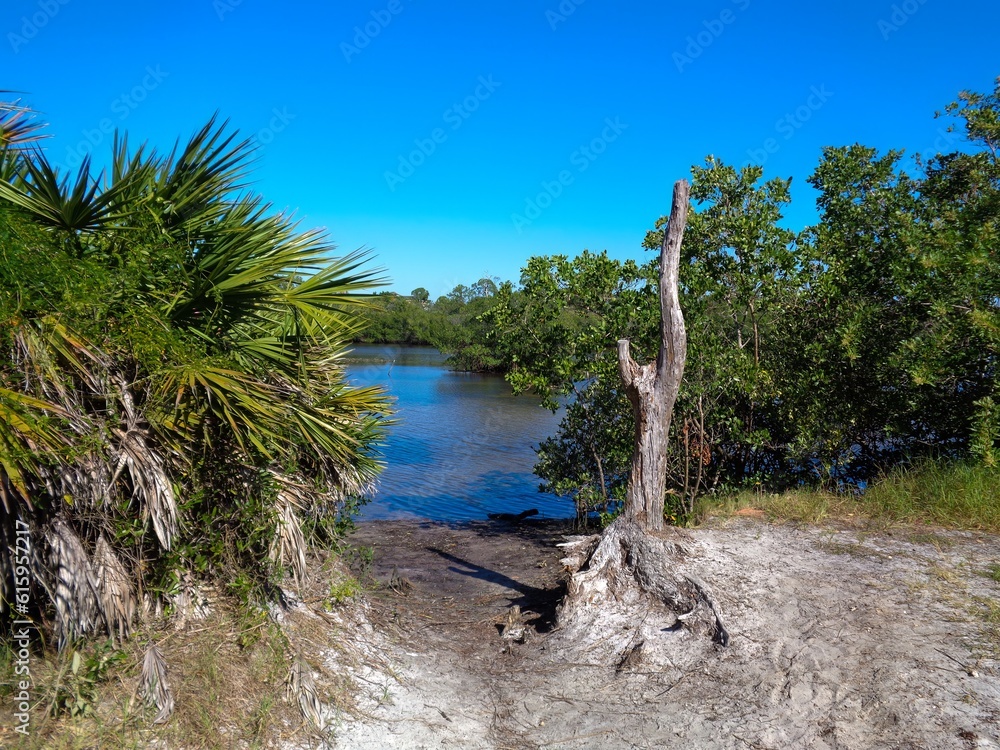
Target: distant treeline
452,324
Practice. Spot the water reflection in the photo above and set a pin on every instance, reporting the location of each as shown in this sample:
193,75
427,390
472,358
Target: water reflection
463,446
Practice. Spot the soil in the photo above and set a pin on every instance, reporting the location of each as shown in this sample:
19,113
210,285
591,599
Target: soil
841,638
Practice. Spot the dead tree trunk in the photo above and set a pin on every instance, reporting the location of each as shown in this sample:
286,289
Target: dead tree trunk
635,553
652,388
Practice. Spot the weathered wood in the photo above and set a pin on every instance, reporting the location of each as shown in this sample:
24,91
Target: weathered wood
652,388
628,556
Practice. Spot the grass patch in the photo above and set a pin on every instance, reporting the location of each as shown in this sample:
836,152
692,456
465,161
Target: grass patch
226,687
342,590
227,673
956,495
989,610
801,505
930,493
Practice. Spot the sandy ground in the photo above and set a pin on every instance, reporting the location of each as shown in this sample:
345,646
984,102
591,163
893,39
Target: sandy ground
840,639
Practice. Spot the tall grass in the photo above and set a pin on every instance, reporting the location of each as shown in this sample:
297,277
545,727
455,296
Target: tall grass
961,495
950,494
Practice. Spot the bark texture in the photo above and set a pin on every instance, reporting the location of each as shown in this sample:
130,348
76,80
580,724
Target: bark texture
652,388
635,553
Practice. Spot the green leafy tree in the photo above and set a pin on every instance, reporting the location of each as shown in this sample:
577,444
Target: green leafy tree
485,287
737,277
558,335
739,282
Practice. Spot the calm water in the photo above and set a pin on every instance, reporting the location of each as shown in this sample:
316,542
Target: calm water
463,445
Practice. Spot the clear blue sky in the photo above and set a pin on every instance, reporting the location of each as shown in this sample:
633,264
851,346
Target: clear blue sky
339,113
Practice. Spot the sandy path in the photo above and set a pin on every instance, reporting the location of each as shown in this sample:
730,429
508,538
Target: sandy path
840,640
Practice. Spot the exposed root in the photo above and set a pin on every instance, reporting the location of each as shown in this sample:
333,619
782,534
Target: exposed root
626,559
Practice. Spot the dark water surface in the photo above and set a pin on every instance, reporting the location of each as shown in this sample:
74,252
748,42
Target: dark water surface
463,445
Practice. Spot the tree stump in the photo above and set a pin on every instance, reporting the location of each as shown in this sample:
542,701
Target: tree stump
626,560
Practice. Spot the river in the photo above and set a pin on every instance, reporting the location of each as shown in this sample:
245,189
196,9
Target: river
463,445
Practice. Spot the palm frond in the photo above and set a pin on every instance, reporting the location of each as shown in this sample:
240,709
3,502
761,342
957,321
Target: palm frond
28,437
74,592
72,204
288,548
300,687
118,604
134,175
250,409
189,602
150,482
194,181
17,125
252,268
153,686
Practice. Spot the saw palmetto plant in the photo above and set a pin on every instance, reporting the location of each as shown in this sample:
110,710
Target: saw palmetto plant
173,404
18,125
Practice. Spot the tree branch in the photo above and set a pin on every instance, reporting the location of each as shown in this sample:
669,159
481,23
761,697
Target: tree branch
673,337
627,366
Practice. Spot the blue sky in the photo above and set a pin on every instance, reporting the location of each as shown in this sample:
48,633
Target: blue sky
458,139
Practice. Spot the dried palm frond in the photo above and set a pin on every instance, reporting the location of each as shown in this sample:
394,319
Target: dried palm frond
147,469
289,544
150,482
75,591
189,602
301,688
153,686
117,600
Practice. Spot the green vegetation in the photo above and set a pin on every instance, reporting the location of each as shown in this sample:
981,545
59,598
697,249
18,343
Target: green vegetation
223,689
993,572
817,359
960,495
342,590
964,495
173,411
